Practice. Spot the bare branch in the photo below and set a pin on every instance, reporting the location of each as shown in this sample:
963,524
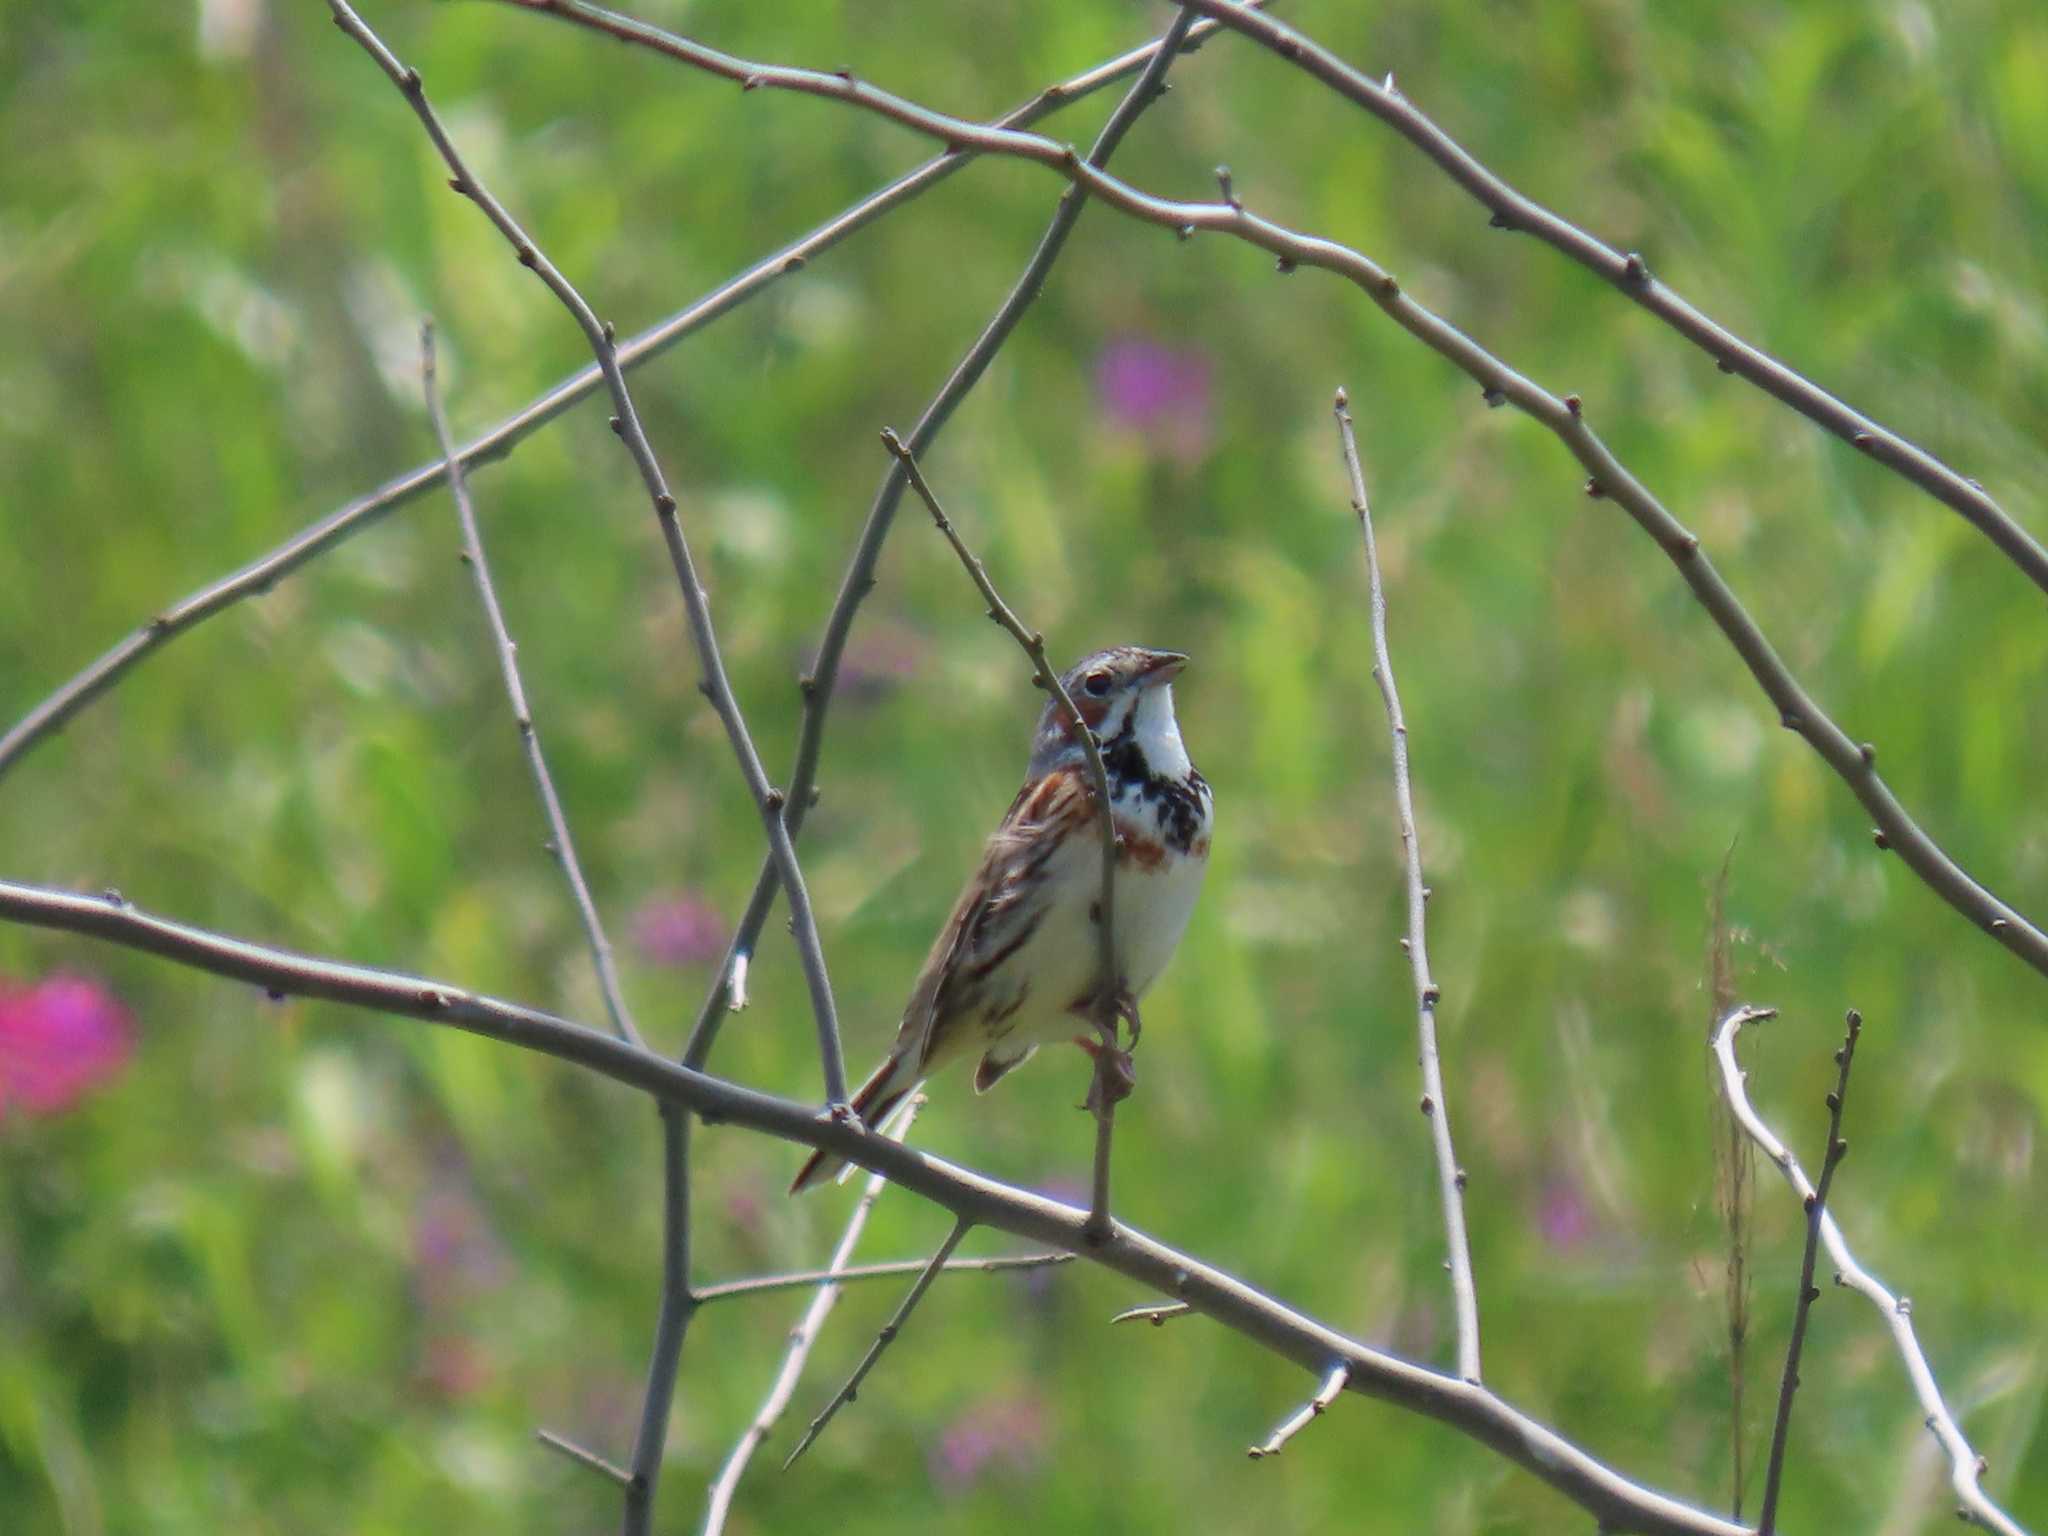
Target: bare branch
1158,1313
1628,273
1816,1207
728,987
1855,763
1102,1100
559,841
671,1323
718,1502
1435,1107
1965,1467
883,1340
1620,1504
263,572
760,1285
677,1305
1734,1182
717,686
583,1458
1309,1412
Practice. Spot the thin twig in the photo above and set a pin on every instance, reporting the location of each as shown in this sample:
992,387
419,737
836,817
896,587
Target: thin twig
1611,1498
1033,644
1628,273
759,1285
718,1501
559,841
1853,762
671,1323
583,1458
260,574
1816,1207
1308,1413
1734,1181
1435,1108
728,987
677,1305
883,1340
626,422
1965,1467
1157,1313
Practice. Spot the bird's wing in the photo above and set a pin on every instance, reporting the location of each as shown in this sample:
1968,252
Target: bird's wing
994,916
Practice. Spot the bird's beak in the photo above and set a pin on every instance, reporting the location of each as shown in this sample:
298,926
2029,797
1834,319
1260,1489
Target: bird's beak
1162,667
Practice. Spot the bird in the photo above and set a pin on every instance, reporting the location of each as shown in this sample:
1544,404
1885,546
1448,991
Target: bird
1018,963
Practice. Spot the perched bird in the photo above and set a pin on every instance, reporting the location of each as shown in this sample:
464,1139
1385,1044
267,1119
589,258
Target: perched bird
1018,964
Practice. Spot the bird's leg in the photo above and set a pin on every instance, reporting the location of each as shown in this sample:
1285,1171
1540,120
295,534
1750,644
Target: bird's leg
1115,1073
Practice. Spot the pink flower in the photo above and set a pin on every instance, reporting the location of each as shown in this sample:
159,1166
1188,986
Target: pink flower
680,929
1163,393
59,1040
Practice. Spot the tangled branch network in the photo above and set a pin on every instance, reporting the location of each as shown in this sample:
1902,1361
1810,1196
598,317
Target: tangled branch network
1335,1363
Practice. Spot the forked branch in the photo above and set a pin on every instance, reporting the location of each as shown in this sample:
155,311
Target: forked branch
1619,1503
696,602
1103,1098
1630,275
1966,1468
718,1502
883,1340
259,574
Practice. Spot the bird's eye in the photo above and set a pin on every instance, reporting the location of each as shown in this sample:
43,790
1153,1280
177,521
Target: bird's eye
1096,683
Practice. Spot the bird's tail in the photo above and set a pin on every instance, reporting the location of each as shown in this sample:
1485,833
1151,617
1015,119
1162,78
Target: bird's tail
878,1097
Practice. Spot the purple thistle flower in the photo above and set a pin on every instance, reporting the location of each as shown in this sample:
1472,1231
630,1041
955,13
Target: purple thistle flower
59,1040
1163,393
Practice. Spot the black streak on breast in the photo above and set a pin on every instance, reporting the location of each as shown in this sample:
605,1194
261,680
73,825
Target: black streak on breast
1179,803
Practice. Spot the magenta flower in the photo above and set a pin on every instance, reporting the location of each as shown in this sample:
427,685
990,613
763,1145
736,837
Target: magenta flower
679,929
59,1040
1163,393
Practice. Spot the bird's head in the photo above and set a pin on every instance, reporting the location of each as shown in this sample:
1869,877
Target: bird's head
1125,689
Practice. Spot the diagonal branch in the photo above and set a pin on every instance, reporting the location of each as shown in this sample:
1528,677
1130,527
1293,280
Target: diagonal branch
1854,762
1307,1414
559,842
1816,1207
1628,273
677,1304
761,1285
718,1502
728,988
883,1340
584,1458
1450,1177
265,570
1965,1467
1482,1415
1033,644
626,423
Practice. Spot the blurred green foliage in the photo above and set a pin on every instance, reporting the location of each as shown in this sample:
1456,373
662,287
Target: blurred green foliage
301,1269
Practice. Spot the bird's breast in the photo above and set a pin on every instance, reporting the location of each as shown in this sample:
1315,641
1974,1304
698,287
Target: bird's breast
1164,832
